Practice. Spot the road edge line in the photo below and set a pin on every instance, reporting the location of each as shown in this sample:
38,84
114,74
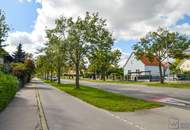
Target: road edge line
42,117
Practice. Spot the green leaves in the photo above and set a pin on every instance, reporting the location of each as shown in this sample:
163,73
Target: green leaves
162,44
3,28
19,55
72,41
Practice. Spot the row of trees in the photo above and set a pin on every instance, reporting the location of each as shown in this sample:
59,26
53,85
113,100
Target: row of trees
75,43
21,64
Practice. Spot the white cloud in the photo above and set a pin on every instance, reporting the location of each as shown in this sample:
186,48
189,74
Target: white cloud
129,19
123,57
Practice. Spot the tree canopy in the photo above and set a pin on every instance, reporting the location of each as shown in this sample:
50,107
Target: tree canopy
162,44
73,41
4,28
19,54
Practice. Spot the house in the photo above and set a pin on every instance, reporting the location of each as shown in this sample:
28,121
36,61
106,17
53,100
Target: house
5,60
1,60
184,65
137,69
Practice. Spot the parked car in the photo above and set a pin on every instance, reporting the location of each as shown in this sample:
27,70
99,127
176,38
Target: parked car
54,78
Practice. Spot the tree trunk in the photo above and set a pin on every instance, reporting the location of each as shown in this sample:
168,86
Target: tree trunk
77,76
94,75
103,77
59,75
161,76
45,76
51,75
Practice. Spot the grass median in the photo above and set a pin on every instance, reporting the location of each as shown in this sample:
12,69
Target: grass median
150,84
106,100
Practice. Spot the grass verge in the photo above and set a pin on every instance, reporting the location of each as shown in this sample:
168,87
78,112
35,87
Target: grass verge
106,100
150,84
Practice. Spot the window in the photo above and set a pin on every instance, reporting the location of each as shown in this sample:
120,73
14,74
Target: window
1,60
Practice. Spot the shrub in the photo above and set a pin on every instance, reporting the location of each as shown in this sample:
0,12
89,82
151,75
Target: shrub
8,89
23,71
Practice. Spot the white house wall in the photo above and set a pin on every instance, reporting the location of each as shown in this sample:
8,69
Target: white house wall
133,64
154,70
185,65
1,61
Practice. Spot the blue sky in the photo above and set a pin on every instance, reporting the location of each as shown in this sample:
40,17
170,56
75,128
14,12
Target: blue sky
186,19
20,15
23,16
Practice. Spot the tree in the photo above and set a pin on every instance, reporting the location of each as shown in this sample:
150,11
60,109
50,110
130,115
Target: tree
71,42
162,44
56,46
42,66
4,28
174,67
84,36
19,54
103,62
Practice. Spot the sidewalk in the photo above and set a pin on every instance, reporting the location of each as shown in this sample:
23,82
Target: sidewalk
22,112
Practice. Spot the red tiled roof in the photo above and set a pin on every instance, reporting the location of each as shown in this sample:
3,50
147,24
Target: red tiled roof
154,62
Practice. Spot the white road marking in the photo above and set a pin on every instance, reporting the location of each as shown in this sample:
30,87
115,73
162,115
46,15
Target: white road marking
126,121
173,101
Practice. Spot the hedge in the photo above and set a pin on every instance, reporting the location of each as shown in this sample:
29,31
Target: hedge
8,89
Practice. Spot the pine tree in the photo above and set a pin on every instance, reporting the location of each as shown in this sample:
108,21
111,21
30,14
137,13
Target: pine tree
19,54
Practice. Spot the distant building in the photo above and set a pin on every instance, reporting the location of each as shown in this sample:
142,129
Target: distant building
1,60
143,67
185,65
5,60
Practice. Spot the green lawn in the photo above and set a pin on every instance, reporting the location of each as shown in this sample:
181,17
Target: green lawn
106,100
151,84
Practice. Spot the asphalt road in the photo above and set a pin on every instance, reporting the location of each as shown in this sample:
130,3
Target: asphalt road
171,96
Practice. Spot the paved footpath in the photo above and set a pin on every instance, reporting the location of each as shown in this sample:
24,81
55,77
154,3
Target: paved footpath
64,112
22,112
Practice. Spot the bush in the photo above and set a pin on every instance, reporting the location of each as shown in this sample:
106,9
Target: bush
23,71
8,89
